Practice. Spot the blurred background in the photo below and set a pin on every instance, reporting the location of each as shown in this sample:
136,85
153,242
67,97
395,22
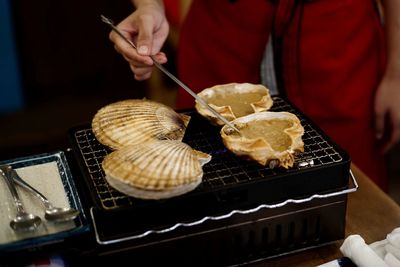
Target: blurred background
58,67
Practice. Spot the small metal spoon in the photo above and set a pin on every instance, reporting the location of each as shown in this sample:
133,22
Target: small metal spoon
51,213
23,221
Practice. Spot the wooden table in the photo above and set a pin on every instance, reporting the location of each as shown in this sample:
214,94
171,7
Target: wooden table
371,213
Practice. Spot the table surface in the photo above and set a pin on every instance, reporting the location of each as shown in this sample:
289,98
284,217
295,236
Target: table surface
371,213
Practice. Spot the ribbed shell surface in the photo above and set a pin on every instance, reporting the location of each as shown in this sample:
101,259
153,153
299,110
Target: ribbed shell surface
157,165
135,121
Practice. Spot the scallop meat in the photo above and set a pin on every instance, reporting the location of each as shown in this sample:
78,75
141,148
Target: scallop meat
271,138
234,100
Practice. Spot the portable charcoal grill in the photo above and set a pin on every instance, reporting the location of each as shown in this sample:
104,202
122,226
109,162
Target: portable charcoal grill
241,212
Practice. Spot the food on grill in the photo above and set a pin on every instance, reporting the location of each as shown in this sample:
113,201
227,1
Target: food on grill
266,137
155,170
234,100
149,160
135,121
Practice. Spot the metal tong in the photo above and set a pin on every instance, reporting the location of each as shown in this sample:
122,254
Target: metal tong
170,75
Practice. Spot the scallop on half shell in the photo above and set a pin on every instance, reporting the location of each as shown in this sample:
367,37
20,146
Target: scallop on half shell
135,121
155,170
266,137
234,100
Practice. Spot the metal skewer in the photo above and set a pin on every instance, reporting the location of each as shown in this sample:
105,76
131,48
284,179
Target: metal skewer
170,75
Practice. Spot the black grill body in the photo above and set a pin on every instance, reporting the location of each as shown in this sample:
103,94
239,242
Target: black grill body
241,212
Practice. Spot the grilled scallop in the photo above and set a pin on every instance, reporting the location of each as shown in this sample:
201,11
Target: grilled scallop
155,170
234,100
135,121
266,137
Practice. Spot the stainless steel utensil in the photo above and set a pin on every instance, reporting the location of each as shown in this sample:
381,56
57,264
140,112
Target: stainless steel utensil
23,221
170,75
51,213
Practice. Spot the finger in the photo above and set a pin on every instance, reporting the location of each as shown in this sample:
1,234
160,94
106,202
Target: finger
142,77
379,123
161,58
120,44
394,138
141,70
141,73
135,63
145,35
129,53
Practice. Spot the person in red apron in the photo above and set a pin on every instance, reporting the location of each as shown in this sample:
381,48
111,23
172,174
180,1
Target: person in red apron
330,60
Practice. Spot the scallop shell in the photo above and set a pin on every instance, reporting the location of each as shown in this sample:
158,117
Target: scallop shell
234,100
155,170
135,121
266,137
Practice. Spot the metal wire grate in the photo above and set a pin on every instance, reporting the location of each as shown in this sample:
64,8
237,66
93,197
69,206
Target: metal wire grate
224,169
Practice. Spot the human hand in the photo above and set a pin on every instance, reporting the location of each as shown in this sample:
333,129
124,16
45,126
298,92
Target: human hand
387,111
148,28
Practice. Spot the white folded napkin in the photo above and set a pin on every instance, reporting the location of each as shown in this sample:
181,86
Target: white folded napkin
393,250
394,237
361,254
379,247
383,253
391,260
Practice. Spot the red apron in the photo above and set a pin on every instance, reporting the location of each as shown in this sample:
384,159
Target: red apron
330,57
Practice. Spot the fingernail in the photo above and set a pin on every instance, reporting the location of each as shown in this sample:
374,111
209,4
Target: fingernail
143,50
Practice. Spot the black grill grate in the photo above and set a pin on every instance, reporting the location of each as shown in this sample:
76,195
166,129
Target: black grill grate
225,169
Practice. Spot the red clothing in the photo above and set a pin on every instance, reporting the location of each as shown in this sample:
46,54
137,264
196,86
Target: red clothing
330,59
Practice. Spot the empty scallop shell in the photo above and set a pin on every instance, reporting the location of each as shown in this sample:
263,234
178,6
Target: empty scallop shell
155,170
234,100
135,121
266,137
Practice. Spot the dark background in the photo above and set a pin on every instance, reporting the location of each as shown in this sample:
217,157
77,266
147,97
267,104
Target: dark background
69,69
